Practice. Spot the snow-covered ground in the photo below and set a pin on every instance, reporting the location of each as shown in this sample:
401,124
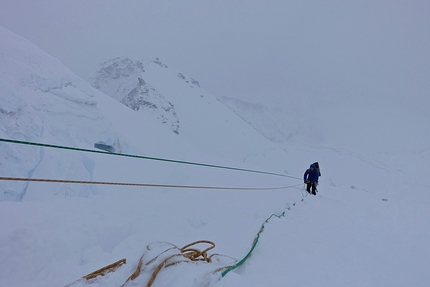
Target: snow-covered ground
367,226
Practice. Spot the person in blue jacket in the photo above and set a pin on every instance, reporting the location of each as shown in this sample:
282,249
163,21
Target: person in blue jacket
311,179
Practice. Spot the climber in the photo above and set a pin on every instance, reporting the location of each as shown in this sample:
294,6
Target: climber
311,179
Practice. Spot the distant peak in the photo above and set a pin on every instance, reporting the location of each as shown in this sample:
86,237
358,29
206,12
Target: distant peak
121,60
159,62
116,68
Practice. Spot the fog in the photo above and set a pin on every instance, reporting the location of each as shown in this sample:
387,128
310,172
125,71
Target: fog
274,52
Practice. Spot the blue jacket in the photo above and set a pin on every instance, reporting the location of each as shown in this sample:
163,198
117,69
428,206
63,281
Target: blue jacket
311,175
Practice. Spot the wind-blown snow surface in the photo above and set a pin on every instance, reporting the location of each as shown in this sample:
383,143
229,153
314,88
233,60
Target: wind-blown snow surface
368,225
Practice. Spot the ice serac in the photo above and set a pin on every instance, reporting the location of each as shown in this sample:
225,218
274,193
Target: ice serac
123,79
42,101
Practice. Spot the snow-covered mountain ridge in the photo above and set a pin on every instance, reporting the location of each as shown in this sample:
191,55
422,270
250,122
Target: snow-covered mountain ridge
376,127
271,123
124,80
177,101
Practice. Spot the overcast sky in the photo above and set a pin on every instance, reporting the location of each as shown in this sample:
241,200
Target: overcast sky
263,51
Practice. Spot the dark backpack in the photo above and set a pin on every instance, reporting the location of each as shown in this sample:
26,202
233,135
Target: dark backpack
316,164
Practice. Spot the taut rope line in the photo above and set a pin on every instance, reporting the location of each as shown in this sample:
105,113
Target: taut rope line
145,157
142,184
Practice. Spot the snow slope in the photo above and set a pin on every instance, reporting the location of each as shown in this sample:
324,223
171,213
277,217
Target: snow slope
179,102
43,101
368,225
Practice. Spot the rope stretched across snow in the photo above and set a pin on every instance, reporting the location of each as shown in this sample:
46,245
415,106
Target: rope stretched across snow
142,184
145,157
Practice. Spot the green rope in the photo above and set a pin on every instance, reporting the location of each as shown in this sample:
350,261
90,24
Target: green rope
145,157
231,268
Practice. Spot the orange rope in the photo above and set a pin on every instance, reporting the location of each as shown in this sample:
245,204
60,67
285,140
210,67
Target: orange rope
140,184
